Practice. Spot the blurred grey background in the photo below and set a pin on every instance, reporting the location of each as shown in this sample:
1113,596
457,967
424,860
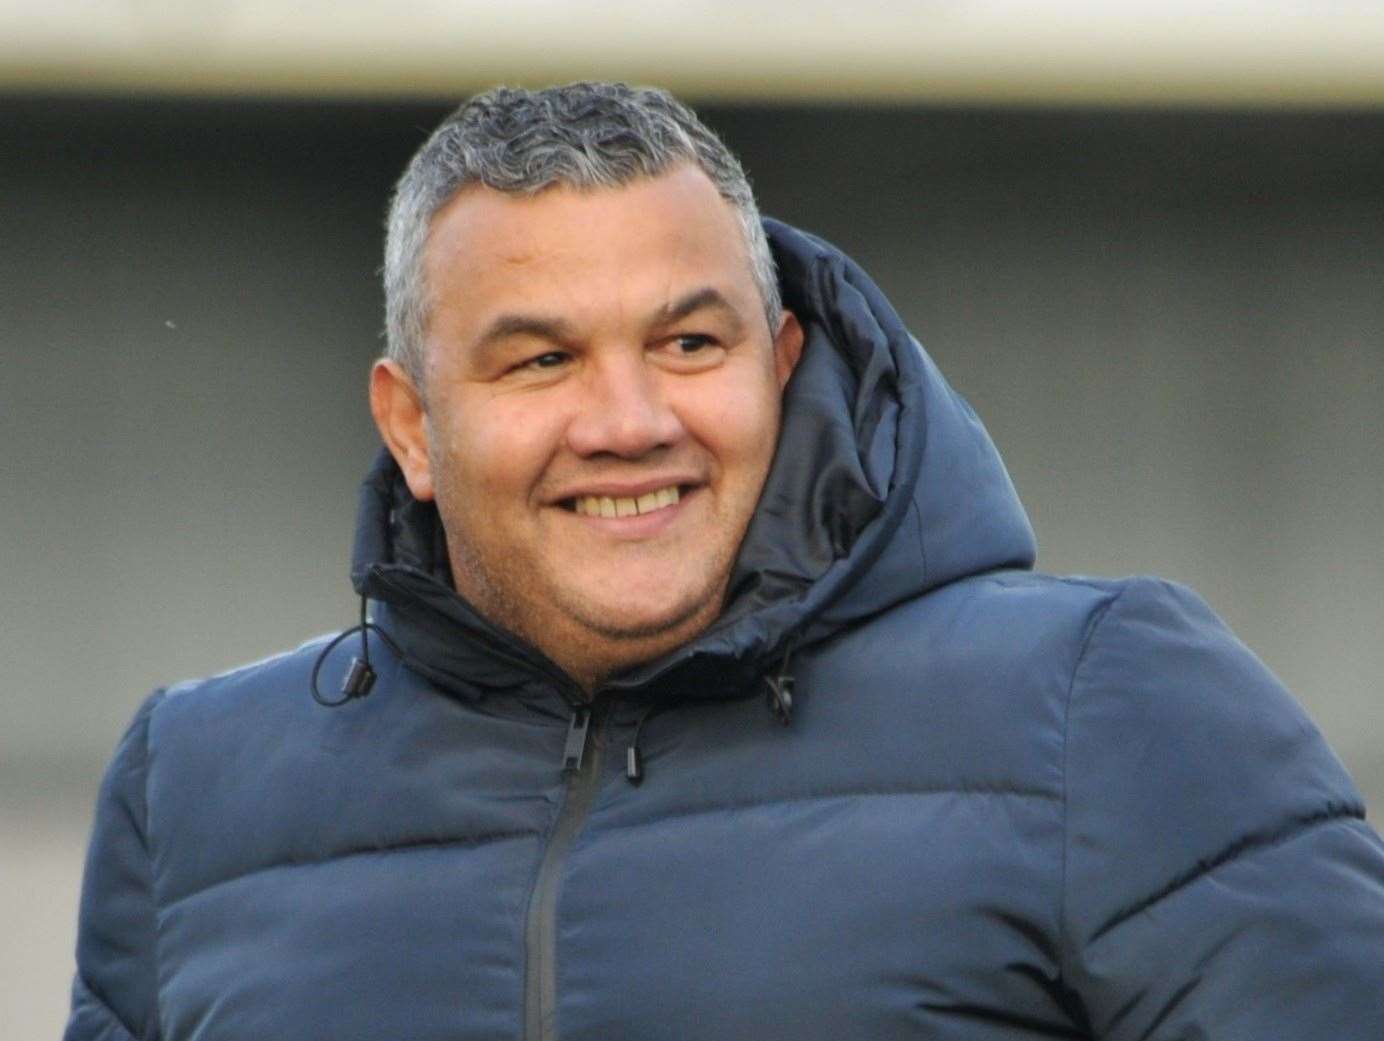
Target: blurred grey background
1165,299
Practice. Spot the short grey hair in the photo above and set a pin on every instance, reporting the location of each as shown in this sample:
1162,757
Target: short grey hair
586,135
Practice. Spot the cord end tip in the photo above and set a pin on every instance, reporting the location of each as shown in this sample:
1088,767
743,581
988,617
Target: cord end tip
360,677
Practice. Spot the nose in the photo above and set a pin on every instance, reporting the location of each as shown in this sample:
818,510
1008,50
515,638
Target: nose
623,410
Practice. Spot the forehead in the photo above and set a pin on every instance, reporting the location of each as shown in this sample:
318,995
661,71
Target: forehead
583,252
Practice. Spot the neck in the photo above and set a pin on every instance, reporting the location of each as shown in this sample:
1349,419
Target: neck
592,658
588,654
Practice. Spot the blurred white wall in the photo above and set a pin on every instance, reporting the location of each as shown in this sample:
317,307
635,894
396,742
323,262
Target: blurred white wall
995,51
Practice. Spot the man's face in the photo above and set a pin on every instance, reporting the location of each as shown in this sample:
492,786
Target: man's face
600,410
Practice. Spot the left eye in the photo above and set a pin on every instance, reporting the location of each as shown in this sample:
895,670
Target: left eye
549,360
691,343
690,352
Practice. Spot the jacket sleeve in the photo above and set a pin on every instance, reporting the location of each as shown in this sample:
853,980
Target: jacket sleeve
114,993
1219,880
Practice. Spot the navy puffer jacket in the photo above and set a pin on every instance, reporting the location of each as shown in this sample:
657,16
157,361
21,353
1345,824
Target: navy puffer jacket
1004,806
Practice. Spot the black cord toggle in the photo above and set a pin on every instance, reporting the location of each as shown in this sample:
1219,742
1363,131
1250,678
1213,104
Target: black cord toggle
360,676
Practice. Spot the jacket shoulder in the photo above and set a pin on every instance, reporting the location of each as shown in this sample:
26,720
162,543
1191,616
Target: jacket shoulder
271,696
1008,635
1174,723
962,688
1061,684
1207,823
237,762
249,682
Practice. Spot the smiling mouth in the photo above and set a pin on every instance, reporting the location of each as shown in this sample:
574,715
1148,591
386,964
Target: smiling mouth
610,506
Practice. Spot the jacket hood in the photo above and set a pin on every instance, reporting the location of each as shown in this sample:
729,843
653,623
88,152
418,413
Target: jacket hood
884,485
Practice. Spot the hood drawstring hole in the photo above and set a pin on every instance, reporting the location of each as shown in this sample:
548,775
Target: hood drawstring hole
360,675
780,696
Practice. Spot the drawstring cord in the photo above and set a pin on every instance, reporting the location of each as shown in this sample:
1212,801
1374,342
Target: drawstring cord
634,761
360,677
780,686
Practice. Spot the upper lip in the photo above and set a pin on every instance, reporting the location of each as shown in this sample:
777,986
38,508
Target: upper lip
624,489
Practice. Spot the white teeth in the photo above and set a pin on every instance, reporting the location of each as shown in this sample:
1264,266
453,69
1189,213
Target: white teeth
607,506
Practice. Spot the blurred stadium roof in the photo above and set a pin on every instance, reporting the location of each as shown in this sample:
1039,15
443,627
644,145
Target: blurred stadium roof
1265,53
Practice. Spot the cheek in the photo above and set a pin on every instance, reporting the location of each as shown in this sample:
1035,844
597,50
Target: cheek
495,449
740,422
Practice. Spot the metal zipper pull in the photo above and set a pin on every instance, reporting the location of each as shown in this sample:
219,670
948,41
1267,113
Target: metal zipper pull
575,750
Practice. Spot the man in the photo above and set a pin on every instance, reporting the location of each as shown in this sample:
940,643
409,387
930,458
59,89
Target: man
653,465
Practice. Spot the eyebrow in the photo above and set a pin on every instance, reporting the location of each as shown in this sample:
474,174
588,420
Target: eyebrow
558,330
706,298
539,326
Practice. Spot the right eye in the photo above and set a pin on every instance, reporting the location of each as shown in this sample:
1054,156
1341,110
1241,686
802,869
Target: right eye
546,360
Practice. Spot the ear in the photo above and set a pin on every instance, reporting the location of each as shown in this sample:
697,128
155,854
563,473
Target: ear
788,347
402,419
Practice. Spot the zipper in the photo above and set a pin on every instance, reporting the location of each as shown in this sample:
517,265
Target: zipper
581,767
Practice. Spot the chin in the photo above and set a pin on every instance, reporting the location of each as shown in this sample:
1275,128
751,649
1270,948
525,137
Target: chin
682,617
